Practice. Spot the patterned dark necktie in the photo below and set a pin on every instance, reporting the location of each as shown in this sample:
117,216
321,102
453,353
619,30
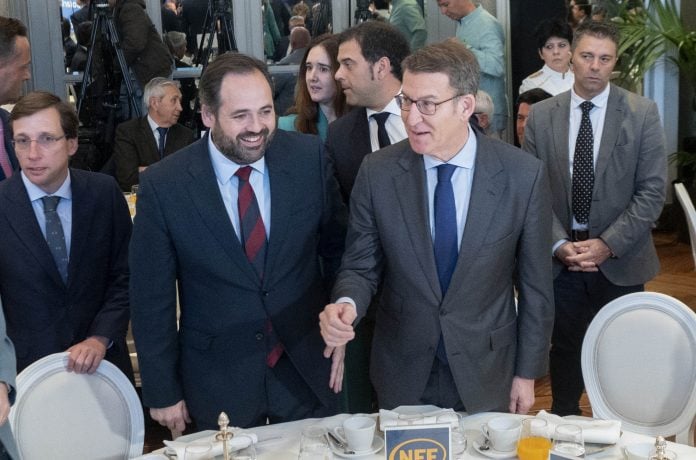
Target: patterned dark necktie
253,237
55,236
583,167
382,136
445,244
162,139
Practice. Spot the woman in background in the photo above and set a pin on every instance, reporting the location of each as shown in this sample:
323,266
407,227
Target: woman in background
319,99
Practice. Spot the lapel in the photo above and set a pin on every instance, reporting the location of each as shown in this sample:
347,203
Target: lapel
411,192
83,212
5,120
149,139
612,124
560,120
23,222
204,192
283,198
359,140
486,192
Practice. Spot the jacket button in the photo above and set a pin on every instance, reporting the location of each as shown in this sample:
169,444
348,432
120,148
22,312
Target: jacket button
259,336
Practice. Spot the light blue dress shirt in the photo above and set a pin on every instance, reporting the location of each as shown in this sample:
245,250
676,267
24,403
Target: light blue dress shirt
64,208
228,184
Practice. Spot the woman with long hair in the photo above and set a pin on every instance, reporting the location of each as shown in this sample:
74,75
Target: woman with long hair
319,99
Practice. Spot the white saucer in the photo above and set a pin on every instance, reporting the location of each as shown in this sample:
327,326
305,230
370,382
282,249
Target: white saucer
492,453
377,445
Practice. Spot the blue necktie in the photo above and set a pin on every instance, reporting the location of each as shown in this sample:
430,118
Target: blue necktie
162,138
446,248
445,244
55,236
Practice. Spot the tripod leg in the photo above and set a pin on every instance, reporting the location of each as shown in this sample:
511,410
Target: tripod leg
98,21
125,70
227,31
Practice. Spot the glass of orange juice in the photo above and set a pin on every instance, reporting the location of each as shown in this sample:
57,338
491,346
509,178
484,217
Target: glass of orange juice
534,443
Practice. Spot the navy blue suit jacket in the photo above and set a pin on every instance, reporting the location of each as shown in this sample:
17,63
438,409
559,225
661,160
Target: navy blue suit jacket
44,315
5,120
215,360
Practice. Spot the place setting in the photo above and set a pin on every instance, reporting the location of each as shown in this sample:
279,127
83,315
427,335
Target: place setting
356,437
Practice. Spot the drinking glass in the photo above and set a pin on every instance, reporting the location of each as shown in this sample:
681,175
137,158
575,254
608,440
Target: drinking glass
313,444
567,439
534,443
198,451
245,453
457,433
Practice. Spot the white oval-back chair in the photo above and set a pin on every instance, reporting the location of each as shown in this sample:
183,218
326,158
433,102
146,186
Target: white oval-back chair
639,365
690,213
62,415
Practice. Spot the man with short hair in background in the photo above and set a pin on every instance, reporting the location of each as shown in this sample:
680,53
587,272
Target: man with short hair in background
143,141
483,35
15,61
604,148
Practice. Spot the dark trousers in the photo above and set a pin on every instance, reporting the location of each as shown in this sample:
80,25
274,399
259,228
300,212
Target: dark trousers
578,296
288,397
3,453
441,390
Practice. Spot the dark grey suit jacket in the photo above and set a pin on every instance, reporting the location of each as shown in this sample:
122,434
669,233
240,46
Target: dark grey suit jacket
135,146
630,179
508,229
182,234
8,373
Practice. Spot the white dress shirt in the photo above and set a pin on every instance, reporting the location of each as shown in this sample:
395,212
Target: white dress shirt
394,125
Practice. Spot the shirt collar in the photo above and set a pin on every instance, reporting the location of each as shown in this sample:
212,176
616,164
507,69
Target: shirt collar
151,122
225,168
465,20
547,69
35,193
599,100
464,158
391,107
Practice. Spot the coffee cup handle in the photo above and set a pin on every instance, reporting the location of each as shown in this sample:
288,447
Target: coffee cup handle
484,430
339,433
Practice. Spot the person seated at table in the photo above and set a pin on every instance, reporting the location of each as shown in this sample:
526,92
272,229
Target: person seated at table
64,250
176,42
143,141
319,100
525,101
554,38
448,330
484,110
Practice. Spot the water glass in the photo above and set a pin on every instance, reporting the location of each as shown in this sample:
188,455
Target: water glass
458,439
198,451
313,444
245,453
567,439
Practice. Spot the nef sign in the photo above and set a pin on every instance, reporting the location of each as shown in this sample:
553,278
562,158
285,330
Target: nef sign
418,442
419,449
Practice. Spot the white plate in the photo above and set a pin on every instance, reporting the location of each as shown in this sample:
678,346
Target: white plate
377,445
64,415
416,410
492,453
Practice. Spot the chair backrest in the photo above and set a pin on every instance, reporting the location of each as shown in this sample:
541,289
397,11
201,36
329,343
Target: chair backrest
639,364
64,415
690,212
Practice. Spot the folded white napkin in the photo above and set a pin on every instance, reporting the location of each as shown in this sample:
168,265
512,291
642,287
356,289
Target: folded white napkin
240,440
595,431
391,418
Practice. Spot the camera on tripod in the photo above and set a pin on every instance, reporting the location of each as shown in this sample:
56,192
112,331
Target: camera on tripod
362,11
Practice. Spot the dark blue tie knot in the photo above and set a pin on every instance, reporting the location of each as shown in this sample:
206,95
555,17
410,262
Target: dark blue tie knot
50,203
586,106
445,171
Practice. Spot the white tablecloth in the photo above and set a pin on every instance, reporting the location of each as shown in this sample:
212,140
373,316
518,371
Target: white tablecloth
281,441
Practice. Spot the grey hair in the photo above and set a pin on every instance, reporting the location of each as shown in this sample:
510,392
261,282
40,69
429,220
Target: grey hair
156,88
177,39
484,103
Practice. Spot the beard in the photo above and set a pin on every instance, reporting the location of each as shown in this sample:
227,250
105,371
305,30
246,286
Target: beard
234,150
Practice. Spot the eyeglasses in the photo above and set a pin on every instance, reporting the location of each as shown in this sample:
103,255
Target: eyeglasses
44,141
424,106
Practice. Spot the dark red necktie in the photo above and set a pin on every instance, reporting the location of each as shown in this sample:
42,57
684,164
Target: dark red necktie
253,237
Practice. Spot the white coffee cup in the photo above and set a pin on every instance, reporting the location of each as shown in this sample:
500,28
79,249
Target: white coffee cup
358,431
502,432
